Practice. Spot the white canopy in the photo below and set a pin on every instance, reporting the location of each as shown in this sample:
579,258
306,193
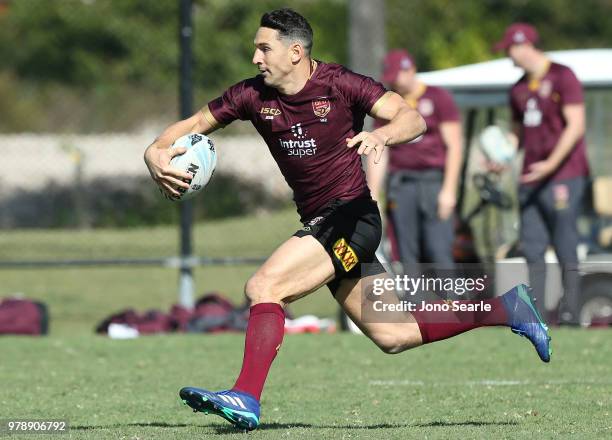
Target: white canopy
486,84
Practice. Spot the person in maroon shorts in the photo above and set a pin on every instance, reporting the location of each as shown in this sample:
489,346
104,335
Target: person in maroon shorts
311,115
548,118
422,179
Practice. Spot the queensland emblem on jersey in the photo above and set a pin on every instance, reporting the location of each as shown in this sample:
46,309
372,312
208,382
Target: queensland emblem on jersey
545,88
345,254
426,107
321,107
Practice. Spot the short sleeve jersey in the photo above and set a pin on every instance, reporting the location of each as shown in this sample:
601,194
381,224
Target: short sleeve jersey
537,105
306,132
436,106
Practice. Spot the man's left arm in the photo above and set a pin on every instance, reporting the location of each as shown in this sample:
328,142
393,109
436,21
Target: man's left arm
405,124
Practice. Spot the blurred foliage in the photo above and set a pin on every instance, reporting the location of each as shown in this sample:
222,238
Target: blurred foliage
448,33
130,202
95,43
109,65
100,65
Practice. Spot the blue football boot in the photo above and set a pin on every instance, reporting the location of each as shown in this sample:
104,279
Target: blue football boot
524,319
238,408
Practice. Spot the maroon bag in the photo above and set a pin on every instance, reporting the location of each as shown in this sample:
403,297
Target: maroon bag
23,317
152,321
212,313
180,316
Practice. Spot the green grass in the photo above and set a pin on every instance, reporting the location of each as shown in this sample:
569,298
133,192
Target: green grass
487,383
250,236
81,297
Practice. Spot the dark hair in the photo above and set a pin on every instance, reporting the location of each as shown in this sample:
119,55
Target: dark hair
290,25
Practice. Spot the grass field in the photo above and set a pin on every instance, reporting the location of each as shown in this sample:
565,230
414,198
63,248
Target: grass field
80,297
487,383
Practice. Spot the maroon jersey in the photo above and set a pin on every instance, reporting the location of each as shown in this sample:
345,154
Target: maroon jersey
436,106
537,106
306,132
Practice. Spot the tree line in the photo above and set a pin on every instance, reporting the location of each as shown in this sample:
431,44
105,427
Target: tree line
96,65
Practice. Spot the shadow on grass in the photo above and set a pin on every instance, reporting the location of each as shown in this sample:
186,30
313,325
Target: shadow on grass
227,429
123,425
221,429
467,423
418,425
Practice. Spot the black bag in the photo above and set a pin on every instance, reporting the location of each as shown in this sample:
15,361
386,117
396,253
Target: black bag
212,313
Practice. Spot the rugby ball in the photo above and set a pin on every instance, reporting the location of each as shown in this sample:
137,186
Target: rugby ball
199,160
496,145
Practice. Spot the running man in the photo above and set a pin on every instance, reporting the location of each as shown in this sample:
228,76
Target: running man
311,114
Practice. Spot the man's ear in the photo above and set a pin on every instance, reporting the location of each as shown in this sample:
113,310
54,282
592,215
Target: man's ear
297,52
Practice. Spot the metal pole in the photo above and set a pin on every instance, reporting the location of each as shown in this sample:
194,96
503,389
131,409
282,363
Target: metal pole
186,284
366,36
367,39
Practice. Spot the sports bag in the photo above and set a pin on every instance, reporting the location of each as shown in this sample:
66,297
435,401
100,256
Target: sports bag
23,317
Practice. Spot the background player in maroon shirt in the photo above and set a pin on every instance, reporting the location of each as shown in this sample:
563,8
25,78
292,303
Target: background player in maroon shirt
422,176
549,120
311,115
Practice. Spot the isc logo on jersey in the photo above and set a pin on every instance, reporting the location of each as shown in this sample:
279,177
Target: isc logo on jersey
269,112
299,146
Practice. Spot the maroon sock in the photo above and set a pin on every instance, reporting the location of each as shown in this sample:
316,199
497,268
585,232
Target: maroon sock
264,336
436,325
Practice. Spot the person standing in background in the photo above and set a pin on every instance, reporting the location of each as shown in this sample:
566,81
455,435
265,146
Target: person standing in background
423,175
548,118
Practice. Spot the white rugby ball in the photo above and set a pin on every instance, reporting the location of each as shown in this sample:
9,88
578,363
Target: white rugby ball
496,145
199,160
